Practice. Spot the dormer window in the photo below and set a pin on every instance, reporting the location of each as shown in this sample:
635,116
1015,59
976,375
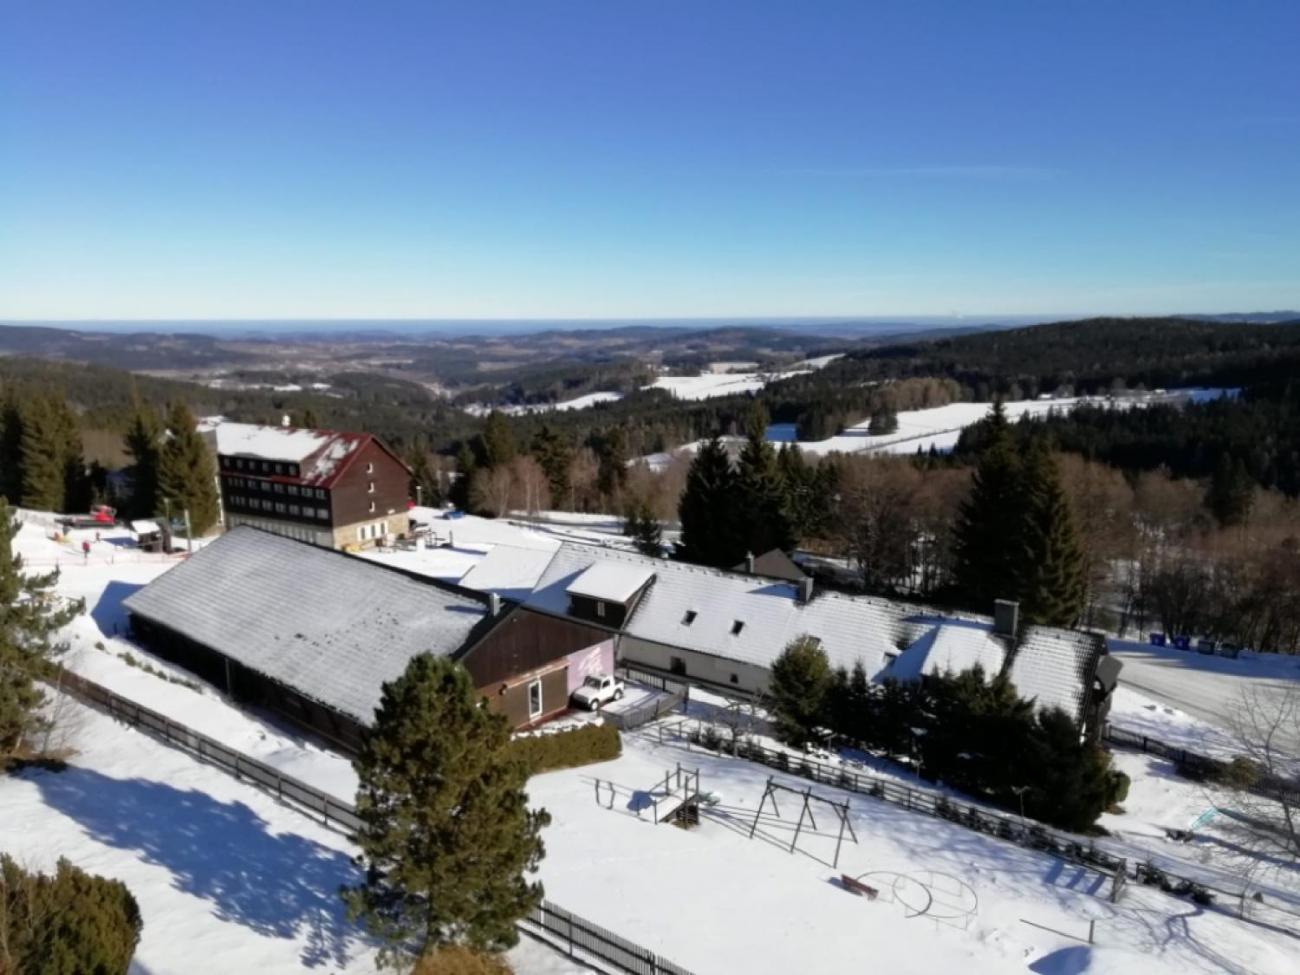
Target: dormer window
736,627
600,608
689,618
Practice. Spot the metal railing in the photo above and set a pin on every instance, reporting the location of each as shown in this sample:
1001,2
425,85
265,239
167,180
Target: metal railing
547,917
625,719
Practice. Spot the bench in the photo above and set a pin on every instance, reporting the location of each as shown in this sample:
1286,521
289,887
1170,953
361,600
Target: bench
855,886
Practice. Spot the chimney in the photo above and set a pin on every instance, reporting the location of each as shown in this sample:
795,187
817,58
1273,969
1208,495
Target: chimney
494,604
805,590
749,563
1006,617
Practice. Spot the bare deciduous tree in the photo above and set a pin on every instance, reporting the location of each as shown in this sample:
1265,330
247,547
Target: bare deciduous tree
1265,778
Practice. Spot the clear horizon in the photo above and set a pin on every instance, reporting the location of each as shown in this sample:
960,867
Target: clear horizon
590,162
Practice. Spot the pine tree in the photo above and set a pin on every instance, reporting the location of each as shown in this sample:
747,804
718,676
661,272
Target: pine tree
553,452
708,510
77,491
461,493
186,474
42,450
446,836
644,529
11,448
142,441
611,457
990,529
883,421
798,692
423,486
498,441
761,491
1053,585
1231,493
30,614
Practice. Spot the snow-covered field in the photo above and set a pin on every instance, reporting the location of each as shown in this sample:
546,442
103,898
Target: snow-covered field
230,881
577,403
941,426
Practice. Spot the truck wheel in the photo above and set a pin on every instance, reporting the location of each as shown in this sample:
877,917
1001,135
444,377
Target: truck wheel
618,695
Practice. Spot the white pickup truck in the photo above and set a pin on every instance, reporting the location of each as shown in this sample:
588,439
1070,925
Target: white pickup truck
596,690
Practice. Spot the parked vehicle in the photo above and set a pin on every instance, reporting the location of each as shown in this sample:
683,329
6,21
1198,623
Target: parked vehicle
100,516
596,690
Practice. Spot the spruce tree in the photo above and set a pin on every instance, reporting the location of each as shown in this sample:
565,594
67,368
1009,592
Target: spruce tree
498,441
990,530
77,491
143,444
641,525
30,614
423,484
1232,491
43,456
11,448
761,491
611,458
186,473
461,492
553,452
447,836
1053,586
799,692
711,529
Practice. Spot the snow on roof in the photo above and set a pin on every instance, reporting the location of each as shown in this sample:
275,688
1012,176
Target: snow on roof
698,609
144,527
508,570
615,581
329,625
1055,667
320,454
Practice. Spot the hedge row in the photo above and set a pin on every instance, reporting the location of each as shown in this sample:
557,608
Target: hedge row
568,749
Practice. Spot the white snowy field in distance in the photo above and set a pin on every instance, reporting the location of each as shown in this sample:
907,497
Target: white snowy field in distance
227,879
941,426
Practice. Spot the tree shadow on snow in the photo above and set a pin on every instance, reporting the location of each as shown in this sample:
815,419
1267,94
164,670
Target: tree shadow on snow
279,885
108,612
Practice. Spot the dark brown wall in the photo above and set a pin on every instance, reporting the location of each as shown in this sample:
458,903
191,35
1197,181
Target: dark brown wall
513,702
525,641
351,497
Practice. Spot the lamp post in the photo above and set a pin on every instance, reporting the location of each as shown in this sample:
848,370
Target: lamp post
1020,791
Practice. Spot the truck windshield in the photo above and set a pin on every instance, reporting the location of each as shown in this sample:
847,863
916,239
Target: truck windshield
593,682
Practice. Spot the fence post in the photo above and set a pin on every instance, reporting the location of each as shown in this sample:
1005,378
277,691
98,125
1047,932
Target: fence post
1092,925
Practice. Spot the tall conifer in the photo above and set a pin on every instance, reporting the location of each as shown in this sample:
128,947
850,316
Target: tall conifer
446,834
43,449
143,442
763,504
990,523
708,510
1053,586
186,473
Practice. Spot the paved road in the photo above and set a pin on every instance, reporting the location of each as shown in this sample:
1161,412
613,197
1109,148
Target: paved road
1209,688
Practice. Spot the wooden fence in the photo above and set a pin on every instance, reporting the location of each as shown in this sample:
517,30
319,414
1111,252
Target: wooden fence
547,918
1034,836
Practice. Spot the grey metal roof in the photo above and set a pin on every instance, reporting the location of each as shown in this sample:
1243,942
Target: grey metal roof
329,625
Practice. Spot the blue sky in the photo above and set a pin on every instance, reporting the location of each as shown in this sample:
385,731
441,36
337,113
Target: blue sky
617,159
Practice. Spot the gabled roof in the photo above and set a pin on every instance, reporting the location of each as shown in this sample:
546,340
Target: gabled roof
329,625
750,619
774,565
616,582
508,571
321,455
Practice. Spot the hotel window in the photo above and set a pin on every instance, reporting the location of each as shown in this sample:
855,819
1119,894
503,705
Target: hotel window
294,509
279,507
322,514
372,507
279,488
279,468
370,468
371,488
320,493
535,699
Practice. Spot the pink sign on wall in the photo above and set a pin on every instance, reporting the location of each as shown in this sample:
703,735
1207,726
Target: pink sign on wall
598,659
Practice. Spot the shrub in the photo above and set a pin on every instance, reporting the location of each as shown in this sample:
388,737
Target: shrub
1117,786
459,960
568,749
71,923
1240,773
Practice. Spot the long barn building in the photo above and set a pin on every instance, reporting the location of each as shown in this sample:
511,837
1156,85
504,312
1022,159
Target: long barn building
313,634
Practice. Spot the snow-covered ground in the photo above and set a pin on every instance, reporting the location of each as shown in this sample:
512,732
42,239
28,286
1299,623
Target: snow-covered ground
711,899
227,879
1208,688
577,403
941,426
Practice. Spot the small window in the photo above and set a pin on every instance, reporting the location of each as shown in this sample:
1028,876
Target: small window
279,468
279,488
689,618
372,507
535,699
279,507
370,489
320,493
735,678
370,468
677,665
294,510
737,626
